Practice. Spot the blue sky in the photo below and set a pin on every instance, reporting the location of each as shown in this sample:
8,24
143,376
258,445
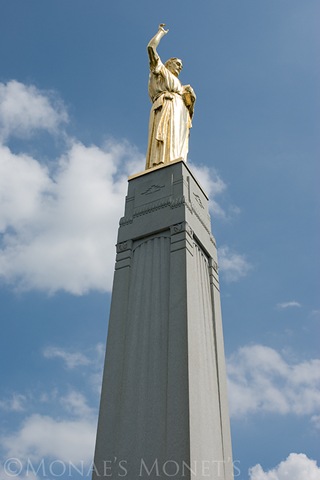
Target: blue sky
73,125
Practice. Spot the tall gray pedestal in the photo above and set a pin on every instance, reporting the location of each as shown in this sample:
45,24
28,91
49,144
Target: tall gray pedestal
164,409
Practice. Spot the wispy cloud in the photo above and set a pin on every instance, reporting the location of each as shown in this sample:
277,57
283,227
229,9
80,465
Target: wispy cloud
315,419
233,265
24,109
14,470
67,437
261,380
291,304
67,434
71,359
296,467
92,359
214,186
76,403
43,436
15,403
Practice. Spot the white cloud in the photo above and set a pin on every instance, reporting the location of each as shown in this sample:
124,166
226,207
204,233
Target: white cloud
315,419
291,304
71,359
23,182
76,404
43,441
261,380
213,186
24,109
69,435
13,468
95,378
42,436
209,180
58,222
233,265
296,467
59,228
93,360
16,403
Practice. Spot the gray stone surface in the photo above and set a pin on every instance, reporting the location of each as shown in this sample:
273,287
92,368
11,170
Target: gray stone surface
163,410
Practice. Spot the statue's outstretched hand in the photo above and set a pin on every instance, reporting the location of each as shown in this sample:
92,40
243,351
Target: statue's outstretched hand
162,29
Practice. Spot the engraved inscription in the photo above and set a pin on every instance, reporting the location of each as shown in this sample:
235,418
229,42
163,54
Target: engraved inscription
198,200
153,189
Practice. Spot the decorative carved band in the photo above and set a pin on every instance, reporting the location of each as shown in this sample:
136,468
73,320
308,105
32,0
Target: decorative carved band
151,207
176,202
125,221
164,202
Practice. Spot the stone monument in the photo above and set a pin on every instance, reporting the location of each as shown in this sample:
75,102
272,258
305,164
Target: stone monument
164,409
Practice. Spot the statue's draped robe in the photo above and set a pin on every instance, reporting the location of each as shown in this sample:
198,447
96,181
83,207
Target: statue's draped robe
169,118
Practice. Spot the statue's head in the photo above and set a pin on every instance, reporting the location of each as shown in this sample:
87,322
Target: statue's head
174,65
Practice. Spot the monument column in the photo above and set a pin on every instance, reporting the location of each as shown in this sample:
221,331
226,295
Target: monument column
163,410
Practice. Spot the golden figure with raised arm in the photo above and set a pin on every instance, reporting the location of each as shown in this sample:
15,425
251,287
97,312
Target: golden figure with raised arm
172,108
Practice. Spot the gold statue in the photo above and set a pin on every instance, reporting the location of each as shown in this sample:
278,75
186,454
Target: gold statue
172,108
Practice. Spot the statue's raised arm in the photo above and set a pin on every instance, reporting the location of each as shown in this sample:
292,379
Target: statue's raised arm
153,44
172,108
